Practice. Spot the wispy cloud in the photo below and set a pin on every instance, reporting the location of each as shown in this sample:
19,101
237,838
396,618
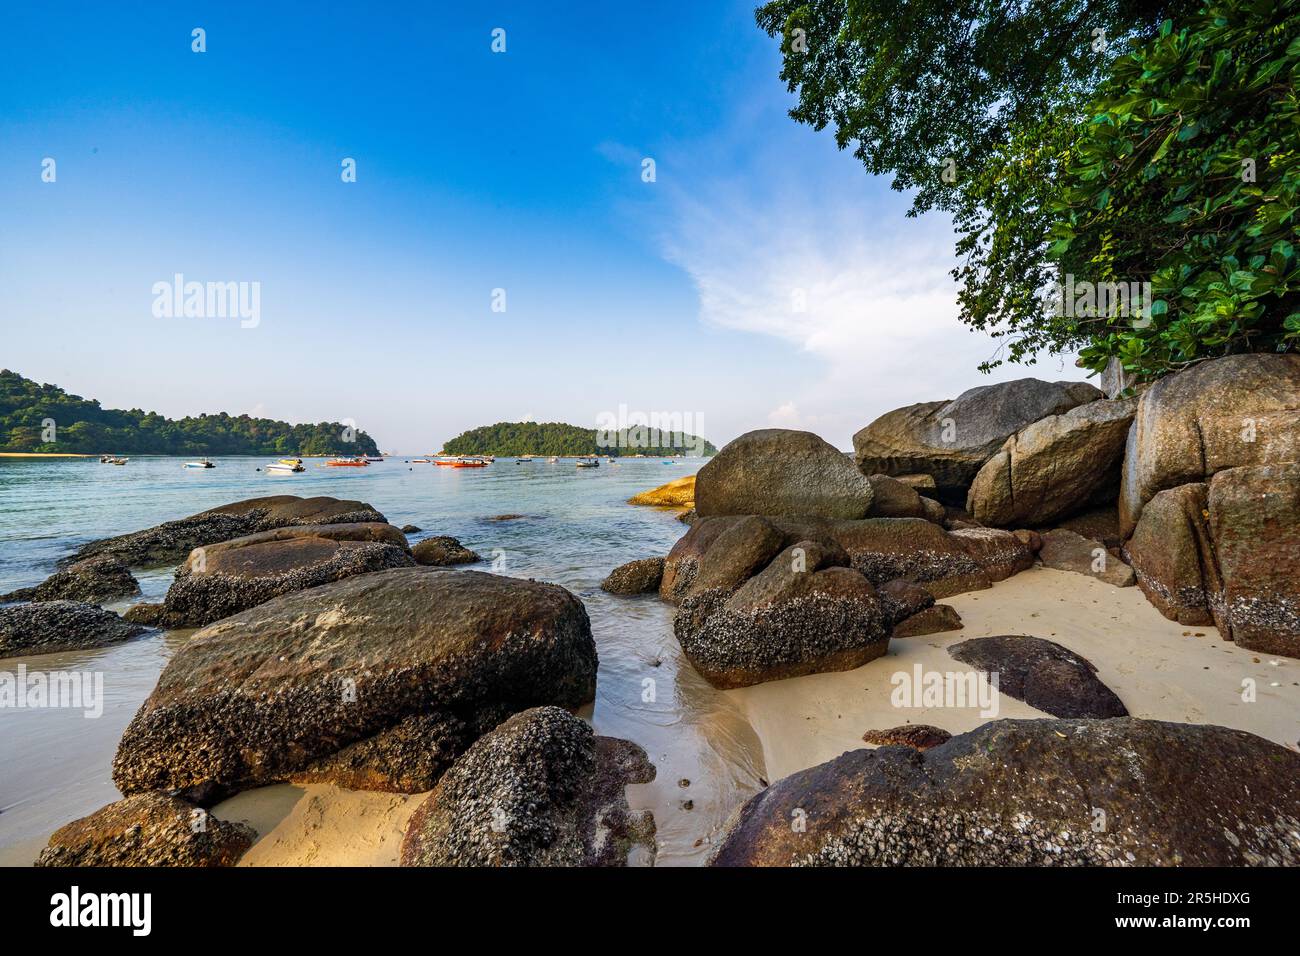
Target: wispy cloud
800,244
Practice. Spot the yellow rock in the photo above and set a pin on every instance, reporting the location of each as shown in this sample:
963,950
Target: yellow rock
675,494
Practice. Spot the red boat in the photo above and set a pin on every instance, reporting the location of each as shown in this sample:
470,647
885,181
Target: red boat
347,463
461,462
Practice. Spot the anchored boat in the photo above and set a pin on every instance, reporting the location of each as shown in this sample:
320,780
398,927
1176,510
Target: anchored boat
201,463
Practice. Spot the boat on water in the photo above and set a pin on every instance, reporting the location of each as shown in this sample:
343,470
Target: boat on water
112,460
347,463
466,461
588,463
419,461
368,459
200,463
525,460
553,459
286,466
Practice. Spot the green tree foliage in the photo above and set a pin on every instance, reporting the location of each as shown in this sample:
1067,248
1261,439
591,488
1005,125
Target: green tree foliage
1123,161
82,427
557,438
1186,175
911,84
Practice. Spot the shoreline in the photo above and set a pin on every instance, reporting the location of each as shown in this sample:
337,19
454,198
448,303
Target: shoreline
1160,669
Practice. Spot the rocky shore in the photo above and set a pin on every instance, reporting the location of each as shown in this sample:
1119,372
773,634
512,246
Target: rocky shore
992,539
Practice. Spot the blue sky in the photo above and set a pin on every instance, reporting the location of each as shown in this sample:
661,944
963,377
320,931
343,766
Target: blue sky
475,171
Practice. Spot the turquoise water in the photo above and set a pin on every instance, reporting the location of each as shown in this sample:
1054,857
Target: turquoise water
576,526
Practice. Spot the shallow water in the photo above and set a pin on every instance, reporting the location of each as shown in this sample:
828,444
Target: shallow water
55,763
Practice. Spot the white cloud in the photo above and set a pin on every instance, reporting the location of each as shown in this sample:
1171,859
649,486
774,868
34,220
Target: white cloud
786,415
827,262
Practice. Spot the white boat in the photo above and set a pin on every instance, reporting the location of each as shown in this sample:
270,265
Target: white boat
201,463
285,466
588,462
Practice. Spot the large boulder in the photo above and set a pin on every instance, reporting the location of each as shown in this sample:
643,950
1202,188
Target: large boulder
148,829
539,790
225,578
804,613
726,551
719,554
287,686
1173,555
1054,467
1035,793
776,471
1229,412
93,581
1255,525
49,626
678,493
951,440
1043,674
170,542
1226,553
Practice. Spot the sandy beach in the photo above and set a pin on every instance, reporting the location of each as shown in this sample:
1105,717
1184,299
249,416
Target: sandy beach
1160,669
321,825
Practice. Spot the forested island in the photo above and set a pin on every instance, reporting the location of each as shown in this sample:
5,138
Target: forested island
558,438
46,419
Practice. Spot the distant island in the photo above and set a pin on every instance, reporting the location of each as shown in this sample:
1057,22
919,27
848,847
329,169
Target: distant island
557,438
81,426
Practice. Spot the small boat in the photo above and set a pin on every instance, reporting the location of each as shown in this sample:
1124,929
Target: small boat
588,463
553,459
284,468
112,460
465,461
201,463
419,461
347,463
526,460
373,459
